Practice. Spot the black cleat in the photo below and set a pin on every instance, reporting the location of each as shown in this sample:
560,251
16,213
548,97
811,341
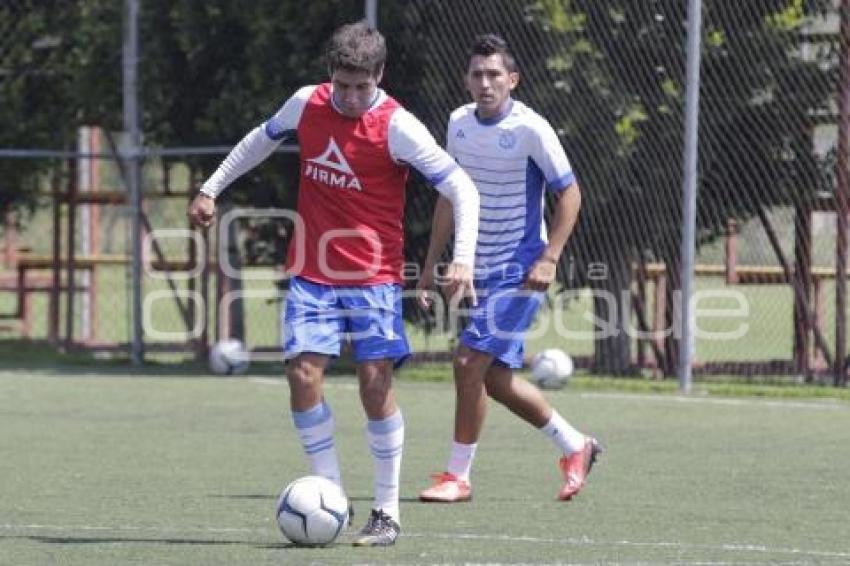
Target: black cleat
380,530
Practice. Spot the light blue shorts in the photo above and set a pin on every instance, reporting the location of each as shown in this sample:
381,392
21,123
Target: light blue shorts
499,323
317,318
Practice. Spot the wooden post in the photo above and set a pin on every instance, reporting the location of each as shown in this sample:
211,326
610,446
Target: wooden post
818,359
192,282
803,280
641,292
732,252
24,313
70,253
10,246
203,346
659,317
53,300
191,286
206,233
842,197
221,324
224,321
94,232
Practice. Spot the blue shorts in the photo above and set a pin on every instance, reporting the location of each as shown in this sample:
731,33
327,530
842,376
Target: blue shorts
317,317
499,323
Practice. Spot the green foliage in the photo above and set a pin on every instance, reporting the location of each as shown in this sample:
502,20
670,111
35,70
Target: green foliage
625,97
208,73
33,76
628,124
214,70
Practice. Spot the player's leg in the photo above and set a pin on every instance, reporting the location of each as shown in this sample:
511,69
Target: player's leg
470,365
310,338
376,327
314,421
512,314
453,485
305,374
526,401
518,395
385,433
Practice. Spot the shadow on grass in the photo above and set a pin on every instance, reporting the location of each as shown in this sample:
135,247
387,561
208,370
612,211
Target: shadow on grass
61,540
17,355
270,497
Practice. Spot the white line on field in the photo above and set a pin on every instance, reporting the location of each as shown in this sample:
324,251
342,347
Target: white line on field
566,541
127,528
585,541
328,383
266,381
816,405
672,398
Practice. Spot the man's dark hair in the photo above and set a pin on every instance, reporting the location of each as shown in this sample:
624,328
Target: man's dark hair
357,47
490,44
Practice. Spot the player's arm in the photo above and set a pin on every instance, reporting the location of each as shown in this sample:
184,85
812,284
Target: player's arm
460,192
561,180
251,150
254,148
442,227
411,143
567,206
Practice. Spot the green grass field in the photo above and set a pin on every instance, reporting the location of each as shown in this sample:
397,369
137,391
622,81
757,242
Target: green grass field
102,466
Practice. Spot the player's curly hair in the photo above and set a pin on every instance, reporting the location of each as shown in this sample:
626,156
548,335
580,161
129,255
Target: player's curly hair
357,47
490,44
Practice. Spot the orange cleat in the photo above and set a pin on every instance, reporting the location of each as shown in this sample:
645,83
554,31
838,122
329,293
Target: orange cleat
576,466
447,488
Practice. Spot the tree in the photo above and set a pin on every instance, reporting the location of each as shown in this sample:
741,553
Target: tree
623,68
44,96
208,71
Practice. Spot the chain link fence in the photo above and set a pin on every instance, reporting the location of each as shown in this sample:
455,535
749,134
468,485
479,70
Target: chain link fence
610,77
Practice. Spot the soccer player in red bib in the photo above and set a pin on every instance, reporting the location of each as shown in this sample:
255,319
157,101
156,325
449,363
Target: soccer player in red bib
345,258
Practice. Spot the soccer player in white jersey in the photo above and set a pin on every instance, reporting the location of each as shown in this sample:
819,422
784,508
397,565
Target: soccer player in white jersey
356,146
512,155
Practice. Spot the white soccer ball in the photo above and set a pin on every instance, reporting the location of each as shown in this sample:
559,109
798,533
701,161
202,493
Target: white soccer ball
551,368
312,511
229,357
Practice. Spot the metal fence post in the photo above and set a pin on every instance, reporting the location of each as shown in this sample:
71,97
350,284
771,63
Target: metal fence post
689,192
131,155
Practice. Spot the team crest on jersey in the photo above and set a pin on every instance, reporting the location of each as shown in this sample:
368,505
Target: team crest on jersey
507,140
460,134
332,169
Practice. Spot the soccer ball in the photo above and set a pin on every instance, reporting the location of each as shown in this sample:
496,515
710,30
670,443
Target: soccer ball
551,368
229,357
312,511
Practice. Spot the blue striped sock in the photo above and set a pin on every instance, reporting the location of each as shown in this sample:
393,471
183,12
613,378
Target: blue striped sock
315,428
386,442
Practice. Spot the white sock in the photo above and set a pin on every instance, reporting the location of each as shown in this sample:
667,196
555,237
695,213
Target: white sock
315,428
564,436
460,461
386,441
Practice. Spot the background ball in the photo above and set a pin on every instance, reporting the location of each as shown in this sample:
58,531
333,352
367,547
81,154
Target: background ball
229,357
551,368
